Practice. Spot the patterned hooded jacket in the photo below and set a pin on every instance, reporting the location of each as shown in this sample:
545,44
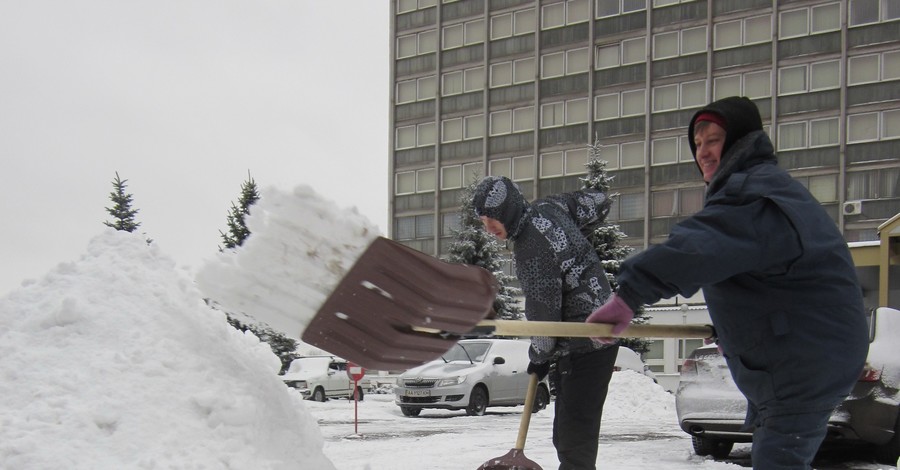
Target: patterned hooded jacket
558,269
775,271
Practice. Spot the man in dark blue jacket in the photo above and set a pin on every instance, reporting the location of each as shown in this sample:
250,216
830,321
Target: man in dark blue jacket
778,279
563,280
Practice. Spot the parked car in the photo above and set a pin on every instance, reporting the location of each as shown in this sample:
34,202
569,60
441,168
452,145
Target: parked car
473,375
319,378
711,409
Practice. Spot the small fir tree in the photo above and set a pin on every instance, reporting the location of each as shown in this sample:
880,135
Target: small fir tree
237,227
473,245
121,211
607,239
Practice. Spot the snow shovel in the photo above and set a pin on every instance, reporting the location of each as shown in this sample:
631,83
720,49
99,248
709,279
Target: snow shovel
515,459
397,308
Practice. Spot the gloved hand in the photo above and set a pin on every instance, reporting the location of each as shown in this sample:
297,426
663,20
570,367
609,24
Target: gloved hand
614,311
539,369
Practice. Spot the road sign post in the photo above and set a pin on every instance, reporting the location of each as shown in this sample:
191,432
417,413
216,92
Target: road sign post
356,373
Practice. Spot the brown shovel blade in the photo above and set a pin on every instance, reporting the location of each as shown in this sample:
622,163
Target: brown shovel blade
370,316
513,460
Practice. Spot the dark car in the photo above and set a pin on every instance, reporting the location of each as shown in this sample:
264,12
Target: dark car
711,409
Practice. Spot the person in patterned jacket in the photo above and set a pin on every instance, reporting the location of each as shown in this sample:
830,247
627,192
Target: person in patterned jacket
562,280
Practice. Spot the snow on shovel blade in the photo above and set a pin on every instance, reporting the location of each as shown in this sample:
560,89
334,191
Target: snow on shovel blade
372,316
513,460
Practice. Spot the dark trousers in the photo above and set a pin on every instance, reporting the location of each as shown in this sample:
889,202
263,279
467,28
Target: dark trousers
582,381
789,442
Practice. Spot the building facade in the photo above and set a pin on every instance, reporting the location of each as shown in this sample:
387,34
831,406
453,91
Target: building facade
521,87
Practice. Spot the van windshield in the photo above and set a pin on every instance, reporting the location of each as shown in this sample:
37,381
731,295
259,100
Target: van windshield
468,352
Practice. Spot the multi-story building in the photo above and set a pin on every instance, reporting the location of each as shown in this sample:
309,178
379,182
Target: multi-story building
521,87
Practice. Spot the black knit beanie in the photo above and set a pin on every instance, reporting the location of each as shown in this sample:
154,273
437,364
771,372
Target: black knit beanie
499,198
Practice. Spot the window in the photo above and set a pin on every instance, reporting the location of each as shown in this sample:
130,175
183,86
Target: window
502,167
512,24
631,206
405,137
523,119
553,114
750,84
410,228
425,180
809,77
690,200
474,127
565,63
792,135
662,204
462,81
874,184
823,132
404,6
679,96
629,51
873,68
501,74
565,13
742,32
823,188
462,34
405,183
551,164
814,20
576,161
416,90
792,80
632,155
451,130
872,11
426,134
664,151
452,83
451,177
577,111
615,105
501,122
523,168
606,8
406,46
473,79
472,172
450,224
873,126
678,43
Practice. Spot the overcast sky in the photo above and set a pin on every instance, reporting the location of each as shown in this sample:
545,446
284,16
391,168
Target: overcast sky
182,98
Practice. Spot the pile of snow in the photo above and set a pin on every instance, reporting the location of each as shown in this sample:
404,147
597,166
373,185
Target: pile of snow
114,361
633,396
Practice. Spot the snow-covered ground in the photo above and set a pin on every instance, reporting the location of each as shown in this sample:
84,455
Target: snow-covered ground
114,361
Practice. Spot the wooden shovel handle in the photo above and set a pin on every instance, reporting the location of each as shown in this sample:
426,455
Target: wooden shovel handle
526,415
593,330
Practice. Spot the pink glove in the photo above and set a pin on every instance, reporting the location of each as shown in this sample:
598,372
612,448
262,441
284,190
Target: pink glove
614,311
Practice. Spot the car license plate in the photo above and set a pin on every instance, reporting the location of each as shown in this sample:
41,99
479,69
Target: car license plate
418,393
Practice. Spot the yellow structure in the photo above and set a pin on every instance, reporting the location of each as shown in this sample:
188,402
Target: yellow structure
878,264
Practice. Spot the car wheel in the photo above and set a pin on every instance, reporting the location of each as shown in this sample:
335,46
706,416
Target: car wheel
318,394
478,401
541,399
704,446
409,411
889,452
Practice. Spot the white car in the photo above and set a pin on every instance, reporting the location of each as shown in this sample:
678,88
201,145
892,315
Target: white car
321,377
473,375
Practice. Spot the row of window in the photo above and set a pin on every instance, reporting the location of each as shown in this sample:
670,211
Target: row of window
795,79
736,33
686,201
793,135
792,23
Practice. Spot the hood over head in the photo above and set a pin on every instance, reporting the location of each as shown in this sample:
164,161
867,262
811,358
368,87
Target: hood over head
499,198
739,115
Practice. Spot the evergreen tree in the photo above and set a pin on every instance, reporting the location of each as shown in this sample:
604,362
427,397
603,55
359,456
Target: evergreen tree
607,238
121,211
473,245
237,228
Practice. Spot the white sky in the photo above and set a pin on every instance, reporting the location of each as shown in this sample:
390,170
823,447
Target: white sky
182,99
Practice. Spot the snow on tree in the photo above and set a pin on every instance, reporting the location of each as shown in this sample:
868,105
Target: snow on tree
607,238
237,227
473,245
121,211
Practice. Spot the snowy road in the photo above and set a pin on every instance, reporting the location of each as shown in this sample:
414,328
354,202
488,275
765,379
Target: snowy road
632,438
